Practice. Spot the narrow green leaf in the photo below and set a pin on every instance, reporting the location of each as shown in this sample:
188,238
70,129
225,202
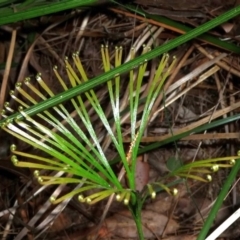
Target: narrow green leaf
11,14
127,66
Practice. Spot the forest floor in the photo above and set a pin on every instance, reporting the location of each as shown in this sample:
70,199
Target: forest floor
43,43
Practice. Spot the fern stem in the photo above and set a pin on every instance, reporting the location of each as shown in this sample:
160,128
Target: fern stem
136,210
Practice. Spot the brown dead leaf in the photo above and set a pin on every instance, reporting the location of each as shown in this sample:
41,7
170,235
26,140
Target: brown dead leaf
206,207
162,204
227,27
142,174
61,222
182,237
187,209
122,225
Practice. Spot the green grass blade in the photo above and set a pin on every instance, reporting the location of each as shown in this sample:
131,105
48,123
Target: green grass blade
202,128
204,37
11,14
127,66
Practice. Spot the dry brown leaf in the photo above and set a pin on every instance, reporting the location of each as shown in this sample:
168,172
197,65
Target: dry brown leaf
122,225
142,175
205,208
182,237
61,222
187,209
162,204
227,27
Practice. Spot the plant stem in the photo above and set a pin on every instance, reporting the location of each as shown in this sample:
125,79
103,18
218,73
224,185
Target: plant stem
136,210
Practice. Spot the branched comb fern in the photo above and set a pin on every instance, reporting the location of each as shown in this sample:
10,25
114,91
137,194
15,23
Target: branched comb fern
75,154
